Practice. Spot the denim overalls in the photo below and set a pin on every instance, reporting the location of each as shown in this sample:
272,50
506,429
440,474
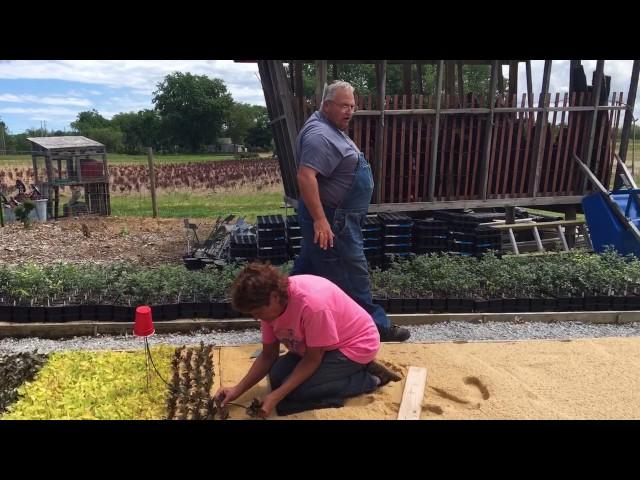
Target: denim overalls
344,263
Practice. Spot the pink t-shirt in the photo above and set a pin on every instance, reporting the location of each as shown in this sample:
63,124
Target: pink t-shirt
320,314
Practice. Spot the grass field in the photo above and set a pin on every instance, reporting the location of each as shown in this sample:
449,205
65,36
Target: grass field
185,204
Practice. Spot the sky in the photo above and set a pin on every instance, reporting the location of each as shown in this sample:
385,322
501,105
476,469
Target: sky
55,91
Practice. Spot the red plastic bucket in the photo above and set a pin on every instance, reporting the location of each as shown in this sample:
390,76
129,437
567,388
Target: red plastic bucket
144,324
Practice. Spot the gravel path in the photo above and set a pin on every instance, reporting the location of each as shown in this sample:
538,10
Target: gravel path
440,332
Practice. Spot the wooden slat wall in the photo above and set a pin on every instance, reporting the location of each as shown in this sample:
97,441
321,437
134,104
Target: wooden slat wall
407,142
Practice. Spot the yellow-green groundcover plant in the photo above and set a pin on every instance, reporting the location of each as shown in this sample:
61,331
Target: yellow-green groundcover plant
96,385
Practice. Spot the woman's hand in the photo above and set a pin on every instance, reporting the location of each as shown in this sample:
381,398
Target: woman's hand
225,395
268,404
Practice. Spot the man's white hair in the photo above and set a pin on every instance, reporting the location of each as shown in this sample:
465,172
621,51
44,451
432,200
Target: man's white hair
329,92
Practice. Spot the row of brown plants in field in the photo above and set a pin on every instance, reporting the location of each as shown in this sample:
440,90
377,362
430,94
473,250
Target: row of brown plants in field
212,176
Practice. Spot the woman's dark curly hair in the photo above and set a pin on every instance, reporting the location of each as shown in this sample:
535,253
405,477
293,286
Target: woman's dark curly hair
254,284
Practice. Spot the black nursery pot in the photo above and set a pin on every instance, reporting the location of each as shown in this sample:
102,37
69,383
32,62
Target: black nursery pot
217,310
565,304
591,303
633,302
72,313
424,305
55,314
103,313
453,305
537,304
169,311
460,305
188,310
604,302
619,303
395,305
438,305
123,313
227,309
467,305
496,305
233,313
383,302
509,305
523,304
6,313
21,314
38,314
410,305
577,304
87,312
202,309
481,305
550,304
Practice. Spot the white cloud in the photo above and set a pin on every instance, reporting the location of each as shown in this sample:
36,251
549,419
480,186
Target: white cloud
39,111
83,92
12,98
619,70
141,75
129,84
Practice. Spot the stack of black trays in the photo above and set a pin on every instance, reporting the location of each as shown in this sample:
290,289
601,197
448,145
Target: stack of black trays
243,246
430,236
397,234
372,240
294,236
467,237
488,239
272,242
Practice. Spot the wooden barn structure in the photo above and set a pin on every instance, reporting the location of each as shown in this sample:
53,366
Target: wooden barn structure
451,149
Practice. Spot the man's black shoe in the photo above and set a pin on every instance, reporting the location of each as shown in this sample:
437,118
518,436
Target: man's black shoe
394,333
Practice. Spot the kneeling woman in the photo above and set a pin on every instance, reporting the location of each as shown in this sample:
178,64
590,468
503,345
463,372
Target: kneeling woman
332,342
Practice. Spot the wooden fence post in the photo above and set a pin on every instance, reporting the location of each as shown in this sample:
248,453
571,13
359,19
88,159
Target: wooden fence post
152,181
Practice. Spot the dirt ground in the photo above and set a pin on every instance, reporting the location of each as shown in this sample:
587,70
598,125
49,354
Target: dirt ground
147,241
537,379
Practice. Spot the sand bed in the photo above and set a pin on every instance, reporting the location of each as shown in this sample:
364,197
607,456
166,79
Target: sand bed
537,379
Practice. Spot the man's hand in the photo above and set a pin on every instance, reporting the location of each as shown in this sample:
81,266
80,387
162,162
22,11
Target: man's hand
322,235
268,404
225,395
308,185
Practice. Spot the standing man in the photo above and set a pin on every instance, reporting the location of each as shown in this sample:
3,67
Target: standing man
336,186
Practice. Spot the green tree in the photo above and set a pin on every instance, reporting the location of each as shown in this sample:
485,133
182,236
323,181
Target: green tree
20,143
139,130
260,135
193,107
242,117
89,120
110,137
476,79
363,78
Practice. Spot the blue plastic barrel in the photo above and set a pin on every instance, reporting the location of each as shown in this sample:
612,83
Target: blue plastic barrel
605,227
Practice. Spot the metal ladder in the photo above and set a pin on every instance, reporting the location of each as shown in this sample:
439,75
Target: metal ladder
558,226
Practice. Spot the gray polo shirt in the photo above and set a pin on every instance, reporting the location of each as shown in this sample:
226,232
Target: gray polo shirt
331,153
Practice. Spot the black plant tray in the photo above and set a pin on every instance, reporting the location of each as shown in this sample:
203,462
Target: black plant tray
268,221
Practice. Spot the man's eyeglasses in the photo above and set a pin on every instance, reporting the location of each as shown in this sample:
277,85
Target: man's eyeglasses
345,108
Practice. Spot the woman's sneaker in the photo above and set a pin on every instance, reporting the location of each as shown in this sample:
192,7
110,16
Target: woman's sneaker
394,333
